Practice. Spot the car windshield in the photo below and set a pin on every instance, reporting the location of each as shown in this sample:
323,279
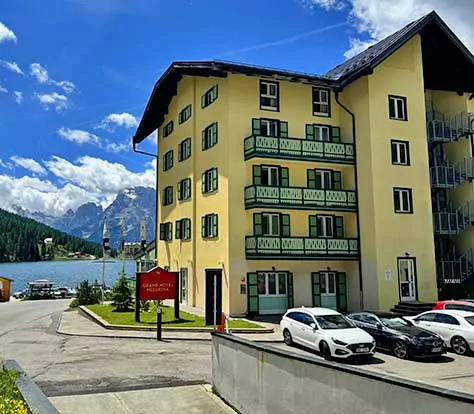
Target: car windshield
395,322
333,322
470,319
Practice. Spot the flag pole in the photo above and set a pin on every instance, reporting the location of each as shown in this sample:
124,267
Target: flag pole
105,249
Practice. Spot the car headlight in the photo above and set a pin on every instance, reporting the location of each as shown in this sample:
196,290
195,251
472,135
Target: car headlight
416,341
338,342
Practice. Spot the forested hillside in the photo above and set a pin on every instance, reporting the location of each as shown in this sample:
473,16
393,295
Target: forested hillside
21,240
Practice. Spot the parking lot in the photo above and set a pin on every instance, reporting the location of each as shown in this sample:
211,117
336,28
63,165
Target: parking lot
450,371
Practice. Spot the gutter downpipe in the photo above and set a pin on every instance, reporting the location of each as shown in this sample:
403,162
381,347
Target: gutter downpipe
351,114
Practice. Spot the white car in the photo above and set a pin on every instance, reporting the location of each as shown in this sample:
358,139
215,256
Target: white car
326,331
456,327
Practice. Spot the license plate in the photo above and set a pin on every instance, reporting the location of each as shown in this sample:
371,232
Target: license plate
436,349
362,350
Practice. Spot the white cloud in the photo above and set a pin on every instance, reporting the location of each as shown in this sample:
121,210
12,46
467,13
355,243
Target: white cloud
376,19
5,164
39,72
7,34
124,120
29,164
117,147
18,96
13,66
54,99
66,86
87,179
78,136
2,89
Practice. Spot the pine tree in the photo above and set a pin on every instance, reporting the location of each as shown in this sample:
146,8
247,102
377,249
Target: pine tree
122,295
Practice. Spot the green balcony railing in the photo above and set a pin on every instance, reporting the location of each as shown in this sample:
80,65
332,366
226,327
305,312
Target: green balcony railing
298,149
267,247
300,198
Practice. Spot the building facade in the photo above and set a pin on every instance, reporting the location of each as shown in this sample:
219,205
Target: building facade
279,189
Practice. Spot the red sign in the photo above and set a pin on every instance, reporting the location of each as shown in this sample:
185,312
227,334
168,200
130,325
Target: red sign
157,284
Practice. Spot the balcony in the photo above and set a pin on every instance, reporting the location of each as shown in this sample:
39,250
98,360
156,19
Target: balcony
259,196
298,149
301,248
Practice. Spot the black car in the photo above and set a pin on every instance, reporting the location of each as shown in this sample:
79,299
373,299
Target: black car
394,333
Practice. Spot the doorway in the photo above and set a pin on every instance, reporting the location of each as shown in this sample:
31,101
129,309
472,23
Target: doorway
213,296
272,292
183,285
407,279
327,281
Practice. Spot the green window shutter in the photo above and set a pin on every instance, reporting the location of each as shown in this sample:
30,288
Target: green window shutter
215,92
163,197
289,283
171,159
316,291
162,231
257,175
203,226
180,151
203,182
255,126
188,188
171,194
311,178
215,133
341,292
214,179
339,226
204,146
178,229
187,148
252,294
313,226
170,231
284,129
310,131
180,194
257,224
336,180
203,101
285,225
336,134
284,177
187,229
214,228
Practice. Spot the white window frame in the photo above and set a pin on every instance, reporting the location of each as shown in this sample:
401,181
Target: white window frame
322,174
268,125
398,145
408,200
269,95
326,226
269,170
320,100
319,133
271,217
325,287
397,116
277,293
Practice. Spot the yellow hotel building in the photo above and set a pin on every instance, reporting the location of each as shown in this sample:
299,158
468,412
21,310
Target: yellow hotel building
349,190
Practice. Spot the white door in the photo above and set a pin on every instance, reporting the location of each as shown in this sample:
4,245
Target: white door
407,279
183,283
327,281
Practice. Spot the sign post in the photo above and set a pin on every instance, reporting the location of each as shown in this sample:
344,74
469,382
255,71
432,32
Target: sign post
137,297
158,323
215,300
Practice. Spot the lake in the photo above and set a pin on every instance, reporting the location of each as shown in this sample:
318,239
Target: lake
63,273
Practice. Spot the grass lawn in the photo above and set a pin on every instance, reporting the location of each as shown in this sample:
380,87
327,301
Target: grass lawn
189,320
11,400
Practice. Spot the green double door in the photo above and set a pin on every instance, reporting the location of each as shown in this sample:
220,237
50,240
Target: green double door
269,292
329,290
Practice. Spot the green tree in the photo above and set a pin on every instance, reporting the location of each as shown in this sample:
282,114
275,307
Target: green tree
122,295
87,294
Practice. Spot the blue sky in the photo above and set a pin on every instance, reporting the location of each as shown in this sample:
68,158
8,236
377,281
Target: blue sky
75,75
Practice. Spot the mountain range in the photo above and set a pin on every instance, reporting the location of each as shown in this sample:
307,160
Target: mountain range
131,204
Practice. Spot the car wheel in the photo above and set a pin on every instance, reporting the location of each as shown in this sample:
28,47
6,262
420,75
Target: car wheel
400,350
287,337
325,351
459,345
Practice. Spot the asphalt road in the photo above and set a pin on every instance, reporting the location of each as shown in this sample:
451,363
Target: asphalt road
63,365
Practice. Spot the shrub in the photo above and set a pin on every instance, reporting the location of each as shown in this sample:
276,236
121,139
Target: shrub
11,400
88,294
122,295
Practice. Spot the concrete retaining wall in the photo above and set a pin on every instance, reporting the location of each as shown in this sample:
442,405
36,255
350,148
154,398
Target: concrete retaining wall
255,378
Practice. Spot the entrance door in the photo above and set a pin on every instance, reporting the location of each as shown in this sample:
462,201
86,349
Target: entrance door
327,281
183,285
272,292
407,279
213,296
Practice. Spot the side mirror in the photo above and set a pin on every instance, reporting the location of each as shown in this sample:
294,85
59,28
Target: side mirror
313,325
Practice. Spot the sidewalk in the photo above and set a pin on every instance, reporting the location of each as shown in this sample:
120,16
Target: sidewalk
73,324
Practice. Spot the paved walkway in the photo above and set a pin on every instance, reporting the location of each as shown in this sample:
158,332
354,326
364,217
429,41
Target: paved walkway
194,399
72,323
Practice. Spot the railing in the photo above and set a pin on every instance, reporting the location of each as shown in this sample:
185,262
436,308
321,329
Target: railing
301,247
451,175
442,130
455,270
299,197
298,149
450,223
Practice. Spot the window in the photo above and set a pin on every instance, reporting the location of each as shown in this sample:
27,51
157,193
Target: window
271,224
326,226
269,127
397,108
327,283
184,149
184,189
446,319
427,317
209,226
168,129
402,200
166,231
321,103
183,229
269,96
466,308
272,284
184,115
327,133
270,175
209,136
324,179
168,160
183,291
209,180
400,152
167,196
210,96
